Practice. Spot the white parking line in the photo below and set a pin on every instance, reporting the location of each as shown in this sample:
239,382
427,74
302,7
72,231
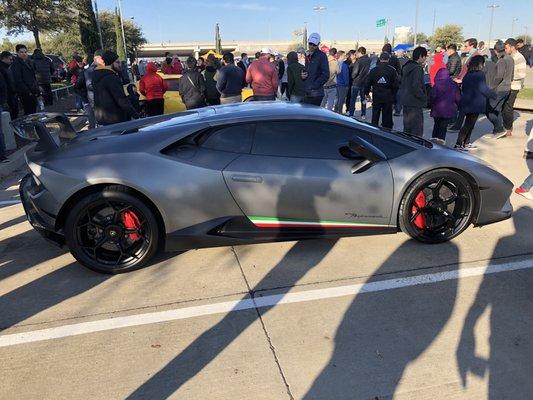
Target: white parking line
265,301
8,202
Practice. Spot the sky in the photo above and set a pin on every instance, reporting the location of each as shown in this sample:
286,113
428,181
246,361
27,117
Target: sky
182,21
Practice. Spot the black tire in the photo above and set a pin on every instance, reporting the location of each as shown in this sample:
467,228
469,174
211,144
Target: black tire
84,227
448,217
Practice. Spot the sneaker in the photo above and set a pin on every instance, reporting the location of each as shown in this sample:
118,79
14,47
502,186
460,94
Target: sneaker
524,193
363,117
459,147
438,141
470,146
503,134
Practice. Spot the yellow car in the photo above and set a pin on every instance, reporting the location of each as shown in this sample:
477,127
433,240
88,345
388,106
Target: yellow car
173,102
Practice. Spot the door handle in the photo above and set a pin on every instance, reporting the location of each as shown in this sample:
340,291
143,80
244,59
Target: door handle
247,178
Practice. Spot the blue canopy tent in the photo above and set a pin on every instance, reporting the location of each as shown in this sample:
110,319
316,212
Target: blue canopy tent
404,47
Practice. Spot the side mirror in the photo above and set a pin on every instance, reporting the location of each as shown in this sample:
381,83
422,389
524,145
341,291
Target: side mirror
367,150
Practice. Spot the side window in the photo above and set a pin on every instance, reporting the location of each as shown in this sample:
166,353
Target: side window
306,139
234,139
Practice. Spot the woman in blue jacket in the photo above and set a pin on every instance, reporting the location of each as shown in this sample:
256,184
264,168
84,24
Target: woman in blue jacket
473,100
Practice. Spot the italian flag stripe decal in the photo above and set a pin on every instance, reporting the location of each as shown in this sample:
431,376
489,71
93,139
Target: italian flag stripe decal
272,222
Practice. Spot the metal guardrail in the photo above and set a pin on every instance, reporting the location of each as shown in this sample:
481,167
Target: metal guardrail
66,89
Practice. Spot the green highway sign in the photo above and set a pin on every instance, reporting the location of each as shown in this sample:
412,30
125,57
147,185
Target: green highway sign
381,23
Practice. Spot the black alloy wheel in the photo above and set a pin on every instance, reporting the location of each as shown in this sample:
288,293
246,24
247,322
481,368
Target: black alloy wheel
112,231
437,207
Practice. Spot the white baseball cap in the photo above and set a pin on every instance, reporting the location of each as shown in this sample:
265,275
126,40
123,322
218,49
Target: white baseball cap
266,50
314,38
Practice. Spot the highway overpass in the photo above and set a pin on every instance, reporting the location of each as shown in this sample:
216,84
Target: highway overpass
184,49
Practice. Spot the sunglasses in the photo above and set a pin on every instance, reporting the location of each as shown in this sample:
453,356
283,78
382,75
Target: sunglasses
312,44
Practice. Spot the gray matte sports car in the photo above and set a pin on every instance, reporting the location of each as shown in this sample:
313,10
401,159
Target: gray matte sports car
244,173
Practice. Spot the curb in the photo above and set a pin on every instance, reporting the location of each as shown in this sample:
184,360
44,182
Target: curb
17,158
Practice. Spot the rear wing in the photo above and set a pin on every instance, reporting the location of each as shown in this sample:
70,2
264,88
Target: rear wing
49,130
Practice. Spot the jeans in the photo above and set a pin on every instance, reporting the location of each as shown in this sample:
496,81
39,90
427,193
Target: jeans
494,111
508,110
79,103
356,91
313,100
413,120
439,128
296,99
330,97
385,110
528,183
342,91
2,141
466,130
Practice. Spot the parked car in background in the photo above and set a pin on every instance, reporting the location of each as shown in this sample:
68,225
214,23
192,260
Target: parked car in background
173,102
60,73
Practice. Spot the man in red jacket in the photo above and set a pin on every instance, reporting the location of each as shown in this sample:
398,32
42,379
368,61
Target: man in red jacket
263,77
153,87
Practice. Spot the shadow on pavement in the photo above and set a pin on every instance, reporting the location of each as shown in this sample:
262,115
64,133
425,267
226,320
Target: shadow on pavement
212,342
380,335
508,298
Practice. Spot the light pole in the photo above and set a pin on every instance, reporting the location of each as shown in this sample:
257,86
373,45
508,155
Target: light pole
512,26
98,25
319,9
416,21
122,27
492,7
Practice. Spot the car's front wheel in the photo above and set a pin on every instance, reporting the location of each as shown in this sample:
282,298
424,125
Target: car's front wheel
437,207
112,231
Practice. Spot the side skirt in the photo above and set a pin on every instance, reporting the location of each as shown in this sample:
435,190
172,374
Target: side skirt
232,231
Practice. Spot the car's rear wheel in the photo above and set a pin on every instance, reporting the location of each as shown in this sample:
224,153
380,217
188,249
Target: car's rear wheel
437,207
112,231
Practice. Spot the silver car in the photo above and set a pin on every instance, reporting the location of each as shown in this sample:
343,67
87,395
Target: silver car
244,173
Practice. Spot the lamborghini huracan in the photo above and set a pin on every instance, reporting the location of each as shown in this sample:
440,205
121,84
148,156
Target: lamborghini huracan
241,174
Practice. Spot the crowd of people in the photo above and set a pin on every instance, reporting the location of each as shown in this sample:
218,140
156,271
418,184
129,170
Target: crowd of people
456,88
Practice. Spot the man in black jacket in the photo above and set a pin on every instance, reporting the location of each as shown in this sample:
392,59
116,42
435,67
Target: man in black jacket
413,93
24,80
383,81
316,73
359,72
88,75
6,59
192,86
111,105
454,61
44,69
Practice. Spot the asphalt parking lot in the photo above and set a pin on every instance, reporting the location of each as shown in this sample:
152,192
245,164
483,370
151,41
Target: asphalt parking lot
357,318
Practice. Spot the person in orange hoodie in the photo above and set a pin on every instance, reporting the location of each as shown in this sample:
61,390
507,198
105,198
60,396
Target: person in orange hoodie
153,87
438,63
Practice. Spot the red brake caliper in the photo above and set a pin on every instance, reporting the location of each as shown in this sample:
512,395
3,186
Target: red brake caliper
131,221
420,202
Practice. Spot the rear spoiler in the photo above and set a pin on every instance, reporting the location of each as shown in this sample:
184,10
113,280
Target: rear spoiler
49,130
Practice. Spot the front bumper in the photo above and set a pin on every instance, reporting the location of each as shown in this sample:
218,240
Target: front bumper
35,205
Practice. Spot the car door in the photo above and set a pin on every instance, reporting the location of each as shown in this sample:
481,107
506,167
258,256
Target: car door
295,176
